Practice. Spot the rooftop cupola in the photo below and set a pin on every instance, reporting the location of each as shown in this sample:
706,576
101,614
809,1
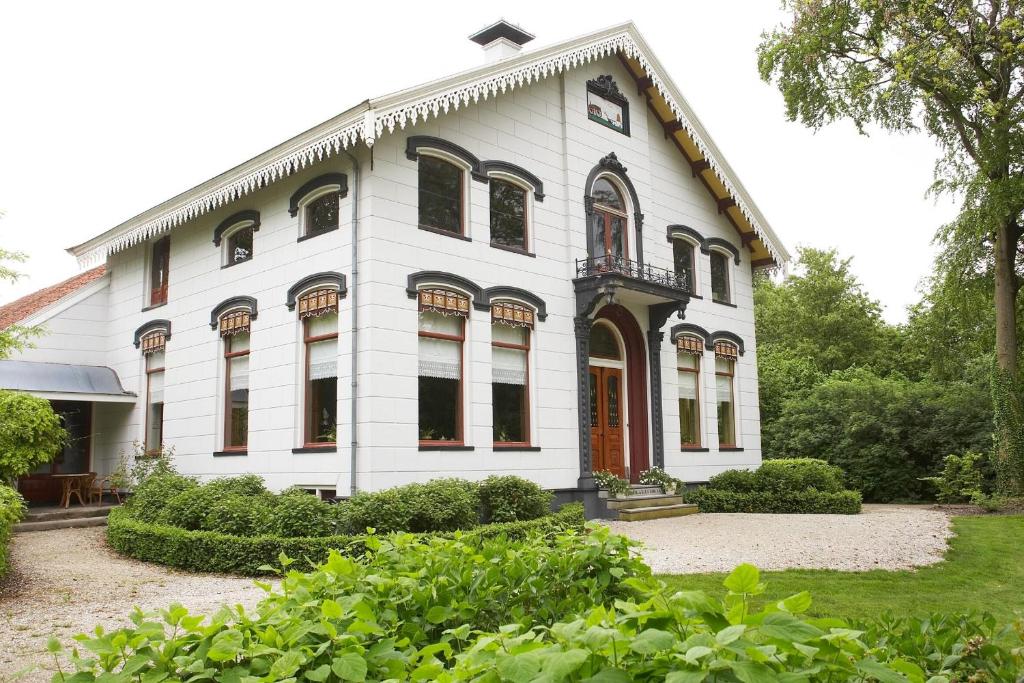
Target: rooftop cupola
501,40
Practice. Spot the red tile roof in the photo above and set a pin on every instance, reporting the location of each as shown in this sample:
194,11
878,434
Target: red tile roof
22,308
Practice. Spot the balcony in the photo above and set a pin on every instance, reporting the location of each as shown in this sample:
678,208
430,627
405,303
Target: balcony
608,265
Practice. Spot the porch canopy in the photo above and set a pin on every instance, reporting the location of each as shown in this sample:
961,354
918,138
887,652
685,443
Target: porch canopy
61,382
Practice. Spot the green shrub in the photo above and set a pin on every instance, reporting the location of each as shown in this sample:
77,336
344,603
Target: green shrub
240,515
187,510
512,499
152,495
567,607
739,481
438,505
798,474
12,507
961,479
209,551
30,434
300,515
242,485
809,501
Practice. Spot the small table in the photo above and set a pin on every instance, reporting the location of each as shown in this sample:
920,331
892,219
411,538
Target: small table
71,484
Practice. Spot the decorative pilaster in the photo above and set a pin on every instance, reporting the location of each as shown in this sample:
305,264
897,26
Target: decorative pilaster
581,325
658,315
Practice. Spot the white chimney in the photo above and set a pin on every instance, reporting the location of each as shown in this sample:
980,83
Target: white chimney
501,40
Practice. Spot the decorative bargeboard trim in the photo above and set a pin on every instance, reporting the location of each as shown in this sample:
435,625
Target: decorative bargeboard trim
369,124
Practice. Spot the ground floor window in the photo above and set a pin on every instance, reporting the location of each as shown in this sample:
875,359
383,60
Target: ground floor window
688,366
441,335
320,336
236,390
510,383
725,373
154,401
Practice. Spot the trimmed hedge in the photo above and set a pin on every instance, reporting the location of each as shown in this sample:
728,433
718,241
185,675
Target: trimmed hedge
12,506
210,551
800,502
789,485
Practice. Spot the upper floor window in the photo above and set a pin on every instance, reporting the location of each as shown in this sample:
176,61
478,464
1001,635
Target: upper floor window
235,328
318,310
608,221
511,325
159,268
688,357
239,246
725,373
442,333
440,195
720,285
235,236
683,254
319,202
508,214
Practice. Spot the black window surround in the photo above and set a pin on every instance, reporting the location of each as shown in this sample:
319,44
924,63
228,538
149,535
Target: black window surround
604,86
233,220
316,449
481,298
610,165
677,231
328,278
326,180
709,338
479,170
228,454
152,326
235,303
717,243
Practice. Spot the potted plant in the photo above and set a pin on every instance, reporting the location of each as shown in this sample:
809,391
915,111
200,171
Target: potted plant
609,485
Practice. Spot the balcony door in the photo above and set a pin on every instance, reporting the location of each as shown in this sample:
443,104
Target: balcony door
608,237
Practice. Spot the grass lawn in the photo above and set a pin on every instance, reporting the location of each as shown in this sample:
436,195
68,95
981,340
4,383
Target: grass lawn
983,570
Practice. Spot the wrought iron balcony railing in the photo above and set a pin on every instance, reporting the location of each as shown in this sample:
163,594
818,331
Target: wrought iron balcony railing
600,265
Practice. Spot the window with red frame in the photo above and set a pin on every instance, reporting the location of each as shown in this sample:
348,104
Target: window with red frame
158,272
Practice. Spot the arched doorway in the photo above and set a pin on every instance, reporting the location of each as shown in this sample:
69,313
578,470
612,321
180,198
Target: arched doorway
617,377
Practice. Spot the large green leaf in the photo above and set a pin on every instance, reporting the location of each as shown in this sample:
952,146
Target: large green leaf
349,666
745,578
787,627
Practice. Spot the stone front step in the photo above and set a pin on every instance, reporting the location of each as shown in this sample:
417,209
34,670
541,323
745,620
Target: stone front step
644,489
642,501
657,512
44,519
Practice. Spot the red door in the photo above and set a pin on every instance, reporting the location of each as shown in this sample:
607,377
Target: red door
606,418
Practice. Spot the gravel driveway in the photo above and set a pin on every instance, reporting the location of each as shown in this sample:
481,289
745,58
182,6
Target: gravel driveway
67,581
881,537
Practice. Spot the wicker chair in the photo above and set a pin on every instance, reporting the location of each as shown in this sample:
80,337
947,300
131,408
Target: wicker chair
100,486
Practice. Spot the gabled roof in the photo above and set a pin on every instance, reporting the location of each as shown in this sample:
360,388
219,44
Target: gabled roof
381,116
31,304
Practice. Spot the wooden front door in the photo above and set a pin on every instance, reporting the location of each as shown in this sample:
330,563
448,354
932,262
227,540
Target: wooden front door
606,420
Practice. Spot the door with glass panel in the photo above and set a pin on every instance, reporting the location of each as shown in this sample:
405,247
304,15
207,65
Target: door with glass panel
606,420
608,225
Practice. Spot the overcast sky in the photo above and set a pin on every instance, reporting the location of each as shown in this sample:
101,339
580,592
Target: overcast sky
108,108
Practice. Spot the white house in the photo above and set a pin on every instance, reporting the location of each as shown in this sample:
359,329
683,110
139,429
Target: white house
541,266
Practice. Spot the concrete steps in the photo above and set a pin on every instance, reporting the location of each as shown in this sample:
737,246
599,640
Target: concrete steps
45,519
648,502
657,512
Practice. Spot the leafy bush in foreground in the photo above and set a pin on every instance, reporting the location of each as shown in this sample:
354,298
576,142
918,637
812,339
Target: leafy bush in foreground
12,507
570,607
30,434
512,499
793,485
209,551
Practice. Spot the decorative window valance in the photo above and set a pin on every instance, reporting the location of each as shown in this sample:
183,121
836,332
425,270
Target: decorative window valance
726,351
154,342
513,315
444,301
234,322
318,302
691,345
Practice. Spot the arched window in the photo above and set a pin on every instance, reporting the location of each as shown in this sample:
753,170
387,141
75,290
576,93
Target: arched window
235,326
511,328
440,195
318,313
442,333
690,350
152,339
318,204
509,220
603,343
721,285
726,354
235,236
608,223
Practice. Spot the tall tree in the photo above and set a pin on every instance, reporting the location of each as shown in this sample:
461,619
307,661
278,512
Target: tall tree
955,69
